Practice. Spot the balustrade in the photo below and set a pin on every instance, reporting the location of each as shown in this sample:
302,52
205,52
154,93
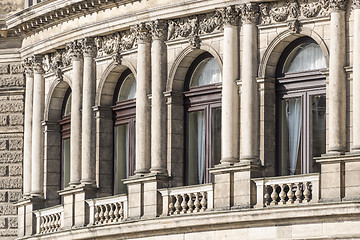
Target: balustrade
187,200
285,190
107,210
49,220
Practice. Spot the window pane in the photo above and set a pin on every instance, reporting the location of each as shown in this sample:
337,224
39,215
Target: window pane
121,163
66,162
128,88
196,148
216,136
318,132
291,136
305,57
207,72
67,110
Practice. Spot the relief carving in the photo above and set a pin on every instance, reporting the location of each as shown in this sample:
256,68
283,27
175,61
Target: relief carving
210,23
356,4
142,31
183,27
88,47
74,50
16,69
159,29
230,15
4,69
37,63
107,45
250,13
12,81
128,40
338,5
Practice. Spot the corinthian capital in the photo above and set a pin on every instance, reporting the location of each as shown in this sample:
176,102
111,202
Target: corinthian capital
74,50
230,15
356,4
88,47
142,32
159,29
37,62
338,5
27,65
250,13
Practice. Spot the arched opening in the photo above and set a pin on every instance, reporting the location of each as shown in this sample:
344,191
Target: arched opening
300,107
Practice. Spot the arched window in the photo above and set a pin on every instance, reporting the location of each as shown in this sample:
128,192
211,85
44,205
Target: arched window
203,119
124,130
301,104
65,123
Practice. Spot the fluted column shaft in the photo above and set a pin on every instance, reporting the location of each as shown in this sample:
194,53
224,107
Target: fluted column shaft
37,163
143,152
88,121
29,75
230,97
337,83
249,98
356,79
158,104
76,98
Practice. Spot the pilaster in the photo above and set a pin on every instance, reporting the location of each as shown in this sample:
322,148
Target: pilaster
26,217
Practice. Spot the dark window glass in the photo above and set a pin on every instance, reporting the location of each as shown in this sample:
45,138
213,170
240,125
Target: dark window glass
65,124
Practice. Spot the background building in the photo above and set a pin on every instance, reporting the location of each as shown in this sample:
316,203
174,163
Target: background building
180,119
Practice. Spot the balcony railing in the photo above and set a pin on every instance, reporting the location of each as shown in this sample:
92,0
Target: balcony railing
107,210
187,200
287,190
49,220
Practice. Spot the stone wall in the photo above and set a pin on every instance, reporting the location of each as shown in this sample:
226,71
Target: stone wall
11,144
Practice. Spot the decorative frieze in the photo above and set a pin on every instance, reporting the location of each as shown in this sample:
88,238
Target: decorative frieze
294,9
12,81
11,107
16,69
4,69
113,44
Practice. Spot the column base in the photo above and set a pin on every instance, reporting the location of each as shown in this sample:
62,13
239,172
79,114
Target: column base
250,160
229,161
36,195
158,171
87,182
141,172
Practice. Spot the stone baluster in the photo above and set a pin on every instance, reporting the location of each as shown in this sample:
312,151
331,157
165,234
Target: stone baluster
298,193
75,51
88,120
197,202
249,95
337,83
171,205
37,164
29,78
158,103
267,195
290,193
177,204
307,192
203,202
274,195
282,194
230,97
143,136
190,203
184,203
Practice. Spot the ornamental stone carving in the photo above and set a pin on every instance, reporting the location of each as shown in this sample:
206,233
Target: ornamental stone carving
128,40
4,69
183,28
27,66
56,63
230,15
356,4
159,29
294,26
142,31
250,13
88,47
12,81
74,50
107,45
338,5
37,64
210,23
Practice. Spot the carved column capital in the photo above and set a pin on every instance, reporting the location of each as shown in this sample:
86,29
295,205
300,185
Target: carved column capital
159,30
27,65
56,62
250,13
142,32
338,5
230,15
356,4
37,62
74,50
89,48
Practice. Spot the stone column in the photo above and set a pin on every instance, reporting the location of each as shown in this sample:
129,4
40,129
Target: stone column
143,138
337,83
75,52
356,76
158,104
28,126
37,164
249,95
88,120
230,97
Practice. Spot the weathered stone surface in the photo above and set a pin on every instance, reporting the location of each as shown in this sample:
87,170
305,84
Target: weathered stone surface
3,145
12,81
8,232
4,69
6,107
8,209
16,120
15,170
10,157
12,222
2,223
16,69
15,144
14,195
3,171
3,120
3,196
10,183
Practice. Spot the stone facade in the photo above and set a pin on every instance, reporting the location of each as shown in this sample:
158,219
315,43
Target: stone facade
87,47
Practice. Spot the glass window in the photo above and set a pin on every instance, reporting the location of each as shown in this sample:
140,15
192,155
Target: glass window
203,124
65,123
124,130
301,108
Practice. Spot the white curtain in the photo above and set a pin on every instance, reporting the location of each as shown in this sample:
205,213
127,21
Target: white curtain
293,117
201,145
207,72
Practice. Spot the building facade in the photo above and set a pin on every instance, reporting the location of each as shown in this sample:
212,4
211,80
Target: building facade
180,119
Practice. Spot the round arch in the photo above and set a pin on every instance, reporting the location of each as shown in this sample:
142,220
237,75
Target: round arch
182,63
108,81
269,61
